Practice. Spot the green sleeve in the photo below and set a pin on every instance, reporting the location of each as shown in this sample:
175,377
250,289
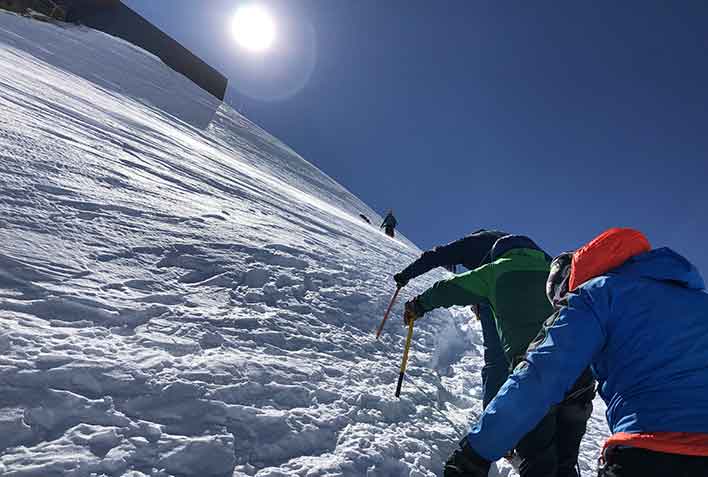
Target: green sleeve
468,288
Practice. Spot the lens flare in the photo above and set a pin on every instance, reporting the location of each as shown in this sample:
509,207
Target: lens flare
254,28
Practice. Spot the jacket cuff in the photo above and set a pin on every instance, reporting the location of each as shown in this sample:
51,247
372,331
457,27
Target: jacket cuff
418,307
472,455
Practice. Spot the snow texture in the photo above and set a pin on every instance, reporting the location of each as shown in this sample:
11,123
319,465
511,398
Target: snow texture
182,296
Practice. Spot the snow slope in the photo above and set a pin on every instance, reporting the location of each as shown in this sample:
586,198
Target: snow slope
183,295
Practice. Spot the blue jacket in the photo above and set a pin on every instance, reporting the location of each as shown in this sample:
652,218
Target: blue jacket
644,329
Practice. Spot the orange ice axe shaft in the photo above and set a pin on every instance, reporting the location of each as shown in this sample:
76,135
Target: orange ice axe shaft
388,310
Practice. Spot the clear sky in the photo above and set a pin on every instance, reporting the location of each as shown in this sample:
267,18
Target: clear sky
552,119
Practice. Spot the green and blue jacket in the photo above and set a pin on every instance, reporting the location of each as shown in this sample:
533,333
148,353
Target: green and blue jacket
513,283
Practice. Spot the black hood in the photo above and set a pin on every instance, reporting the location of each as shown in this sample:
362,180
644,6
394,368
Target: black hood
511,242
484,241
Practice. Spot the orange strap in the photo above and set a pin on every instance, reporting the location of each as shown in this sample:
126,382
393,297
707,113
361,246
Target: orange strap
683,443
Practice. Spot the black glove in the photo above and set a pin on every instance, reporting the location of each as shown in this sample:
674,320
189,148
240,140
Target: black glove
411,312
401,280
465,462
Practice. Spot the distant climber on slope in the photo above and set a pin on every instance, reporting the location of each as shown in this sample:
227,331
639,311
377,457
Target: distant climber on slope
513,282
389,224
640,318
471,252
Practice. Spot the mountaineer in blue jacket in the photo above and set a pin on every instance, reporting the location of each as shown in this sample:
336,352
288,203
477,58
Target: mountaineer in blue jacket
639,317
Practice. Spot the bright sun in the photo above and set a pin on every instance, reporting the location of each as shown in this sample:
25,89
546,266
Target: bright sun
254,28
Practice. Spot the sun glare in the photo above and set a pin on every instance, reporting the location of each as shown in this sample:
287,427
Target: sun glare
254,28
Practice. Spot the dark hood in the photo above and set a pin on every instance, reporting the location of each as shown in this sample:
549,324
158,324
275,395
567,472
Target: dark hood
483,240
511,242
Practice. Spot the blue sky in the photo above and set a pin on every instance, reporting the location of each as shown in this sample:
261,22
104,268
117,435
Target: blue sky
552,119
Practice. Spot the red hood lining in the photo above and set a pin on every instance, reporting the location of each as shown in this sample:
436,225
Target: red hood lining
606,251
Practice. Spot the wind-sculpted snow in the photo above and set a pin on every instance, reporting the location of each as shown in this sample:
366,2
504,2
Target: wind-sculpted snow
182,301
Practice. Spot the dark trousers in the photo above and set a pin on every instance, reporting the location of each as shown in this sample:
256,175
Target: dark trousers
390,231
634,462
496,367
551,448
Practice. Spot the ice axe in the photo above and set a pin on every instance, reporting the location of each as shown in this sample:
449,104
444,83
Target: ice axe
404,363
388,310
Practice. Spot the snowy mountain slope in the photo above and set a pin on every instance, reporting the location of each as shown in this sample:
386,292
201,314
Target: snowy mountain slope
188,297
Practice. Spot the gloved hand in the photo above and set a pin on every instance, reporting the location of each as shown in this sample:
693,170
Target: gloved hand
401,280
465,462
411,312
